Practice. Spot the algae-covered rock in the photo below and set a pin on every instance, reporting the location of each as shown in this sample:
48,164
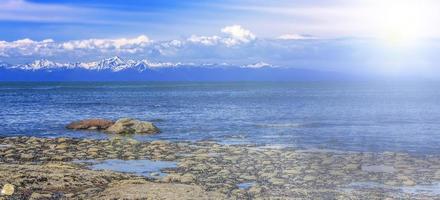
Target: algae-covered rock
130,126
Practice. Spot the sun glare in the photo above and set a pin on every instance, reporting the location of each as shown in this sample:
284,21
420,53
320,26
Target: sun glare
402,22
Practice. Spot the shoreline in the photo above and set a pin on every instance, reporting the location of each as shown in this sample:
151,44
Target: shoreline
211,170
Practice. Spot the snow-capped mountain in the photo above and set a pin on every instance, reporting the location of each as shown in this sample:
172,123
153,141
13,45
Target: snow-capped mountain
39,65
115,64
118,69
257,65
3,64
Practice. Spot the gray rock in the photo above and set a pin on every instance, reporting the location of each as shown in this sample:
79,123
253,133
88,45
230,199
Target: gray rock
130,126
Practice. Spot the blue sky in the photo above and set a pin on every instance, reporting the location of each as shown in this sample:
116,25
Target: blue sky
387,36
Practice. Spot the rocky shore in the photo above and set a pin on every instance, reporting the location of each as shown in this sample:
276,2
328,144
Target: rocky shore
45,168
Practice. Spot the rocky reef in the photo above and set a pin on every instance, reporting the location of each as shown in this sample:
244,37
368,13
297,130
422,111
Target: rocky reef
121,126
42,168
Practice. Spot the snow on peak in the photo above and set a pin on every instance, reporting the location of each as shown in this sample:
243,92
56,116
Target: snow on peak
3,64
42,64
114,63
257,65
118,64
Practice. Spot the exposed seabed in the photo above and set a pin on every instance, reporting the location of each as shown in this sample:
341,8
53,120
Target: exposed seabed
126,168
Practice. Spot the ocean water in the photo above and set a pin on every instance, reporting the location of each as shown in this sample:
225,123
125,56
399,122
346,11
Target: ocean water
348,116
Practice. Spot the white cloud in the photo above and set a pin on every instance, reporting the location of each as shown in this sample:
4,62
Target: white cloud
293,37
168,47
233,35
205,40
26,47
47,47
237,35
122,44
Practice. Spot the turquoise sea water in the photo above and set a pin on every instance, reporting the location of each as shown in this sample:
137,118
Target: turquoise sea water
354,116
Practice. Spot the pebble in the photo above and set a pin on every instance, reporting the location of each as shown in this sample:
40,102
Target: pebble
352,167
8,189
309,178
277,181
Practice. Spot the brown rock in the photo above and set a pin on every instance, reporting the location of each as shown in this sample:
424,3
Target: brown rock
90,124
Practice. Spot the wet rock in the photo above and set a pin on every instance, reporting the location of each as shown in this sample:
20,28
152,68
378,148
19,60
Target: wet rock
255,189
61,146
187,178
240,194
276,181
171,178
8,189
170,157
26,156
352,166
292,171
409,182
159,142
155,174
148,190
36,196
309,178
391,183
90,124
62,140
130,126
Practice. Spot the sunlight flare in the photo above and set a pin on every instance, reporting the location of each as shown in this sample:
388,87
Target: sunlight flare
403,22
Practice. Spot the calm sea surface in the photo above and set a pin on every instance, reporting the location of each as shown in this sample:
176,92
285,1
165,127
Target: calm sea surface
380,116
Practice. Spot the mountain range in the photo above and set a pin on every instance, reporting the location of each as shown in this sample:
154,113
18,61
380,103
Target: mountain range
118,69
115,64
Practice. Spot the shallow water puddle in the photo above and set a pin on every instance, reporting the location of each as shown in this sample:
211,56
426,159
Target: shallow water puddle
233,141
378,168
245,185
433,189
149,168
4,146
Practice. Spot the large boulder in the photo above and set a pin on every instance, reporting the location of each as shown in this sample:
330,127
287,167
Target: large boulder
90,124
129,126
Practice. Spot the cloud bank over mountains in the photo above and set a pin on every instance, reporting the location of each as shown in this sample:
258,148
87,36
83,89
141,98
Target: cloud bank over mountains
231,43
236,46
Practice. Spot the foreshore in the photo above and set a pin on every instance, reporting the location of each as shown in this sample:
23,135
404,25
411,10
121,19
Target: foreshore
42,168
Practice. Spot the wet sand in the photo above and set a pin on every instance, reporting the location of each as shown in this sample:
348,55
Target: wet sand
62,168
